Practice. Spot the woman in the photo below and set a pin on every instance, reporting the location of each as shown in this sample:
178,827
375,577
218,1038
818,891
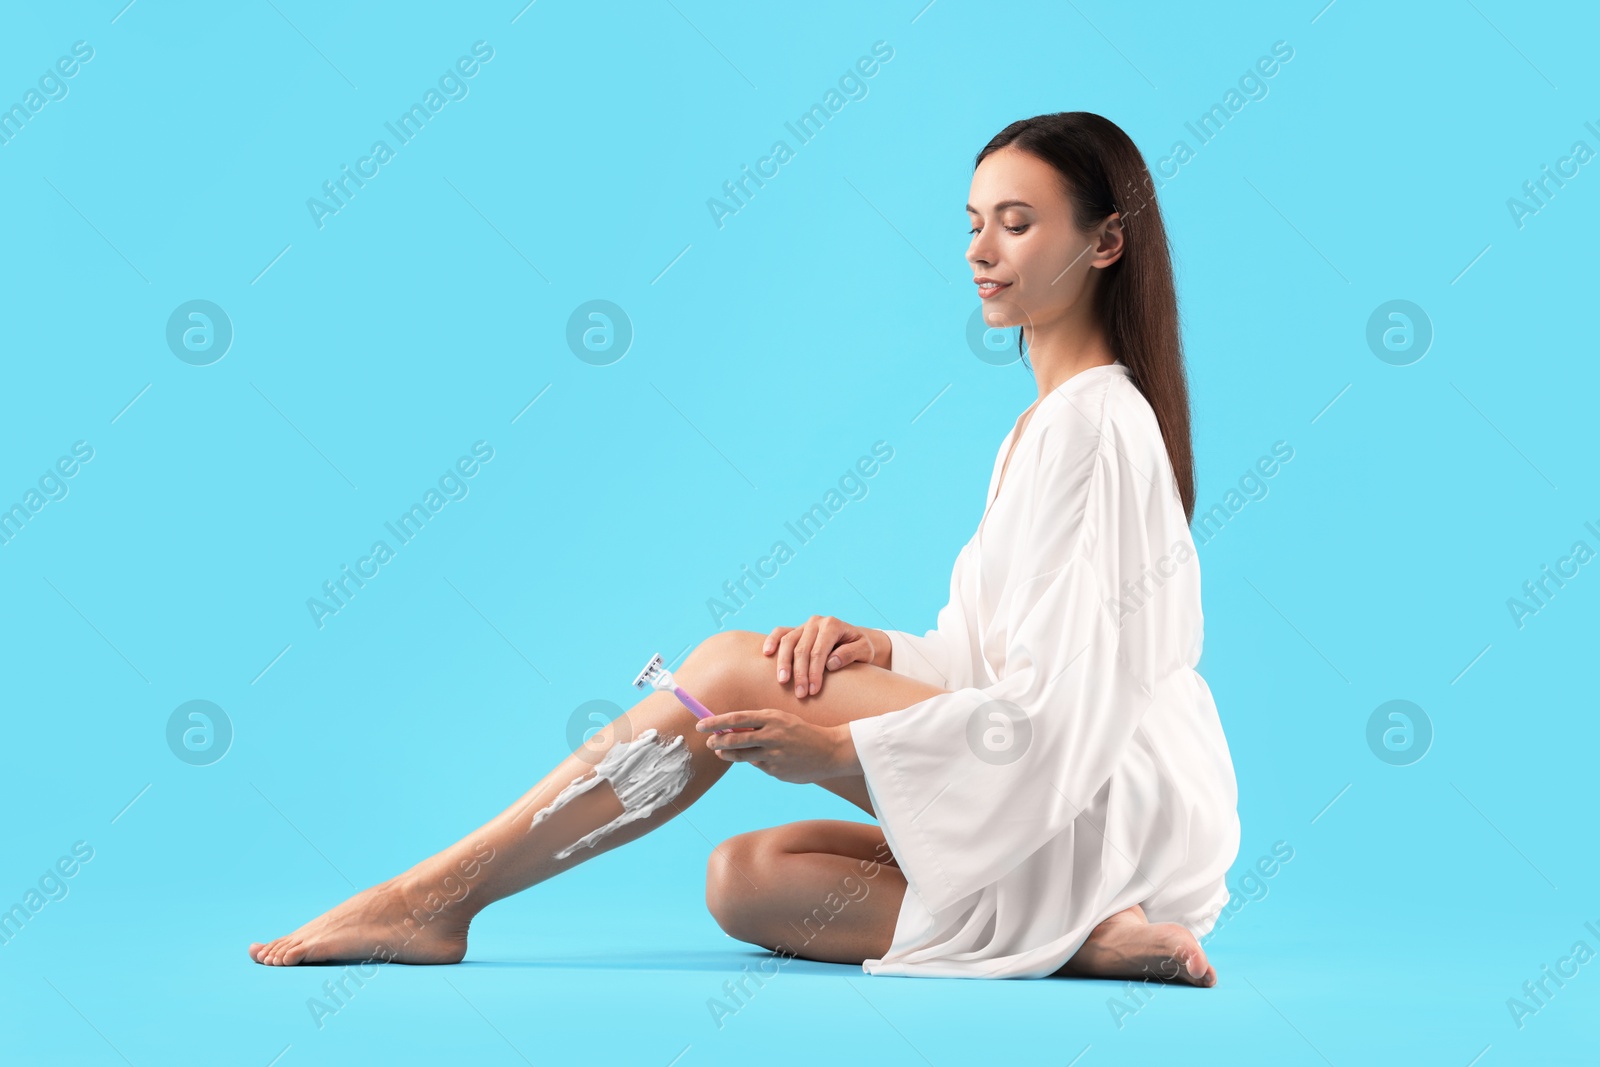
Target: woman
1052,786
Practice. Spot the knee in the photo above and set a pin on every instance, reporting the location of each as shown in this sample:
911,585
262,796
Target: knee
721,667
735,874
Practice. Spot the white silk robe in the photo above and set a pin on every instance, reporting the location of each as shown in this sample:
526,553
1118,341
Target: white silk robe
1077,765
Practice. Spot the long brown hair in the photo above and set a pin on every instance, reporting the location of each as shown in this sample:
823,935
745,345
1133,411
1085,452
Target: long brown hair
1136,300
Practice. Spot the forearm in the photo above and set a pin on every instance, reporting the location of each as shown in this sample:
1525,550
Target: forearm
845,760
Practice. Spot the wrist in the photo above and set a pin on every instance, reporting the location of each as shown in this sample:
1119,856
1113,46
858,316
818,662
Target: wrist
845,760
882,649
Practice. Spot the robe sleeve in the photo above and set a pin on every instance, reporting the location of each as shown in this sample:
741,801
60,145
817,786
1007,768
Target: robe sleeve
968,784
943,655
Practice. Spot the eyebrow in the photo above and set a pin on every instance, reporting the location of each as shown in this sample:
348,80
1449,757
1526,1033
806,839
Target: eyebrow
1002,205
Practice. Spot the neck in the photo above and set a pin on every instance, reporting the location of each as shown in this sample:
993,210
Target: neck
1065,346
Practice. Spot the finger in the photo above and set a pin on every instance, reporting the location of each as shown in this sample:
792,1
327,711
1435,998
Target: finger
737,755
753,718
786,653
770,645
855,651
736,740
827,634
802,656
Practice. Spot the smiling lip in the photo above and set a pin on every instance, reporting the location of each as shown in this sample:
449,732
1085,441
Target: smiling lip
986,293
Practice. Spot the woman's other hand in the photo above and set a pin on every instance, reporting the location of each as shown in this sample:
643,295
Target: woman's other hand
823,644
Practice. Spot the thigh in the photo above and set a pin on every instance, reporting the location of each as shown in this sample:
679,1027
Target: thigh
838,837
853,788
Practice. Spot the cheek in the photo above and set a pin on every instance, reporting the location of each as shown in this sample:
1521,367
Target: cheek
1051,274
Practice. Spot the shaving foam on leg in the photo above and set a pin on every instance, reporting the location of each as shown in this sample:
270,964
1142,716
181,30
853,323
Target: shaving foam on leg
644,774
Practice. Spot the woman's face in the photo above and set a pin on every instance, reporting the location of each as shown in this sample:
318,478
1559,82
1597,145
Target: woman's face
1024,237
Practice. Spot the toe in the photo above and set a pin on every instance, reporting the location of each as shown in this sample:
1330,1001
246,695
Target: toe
1199,969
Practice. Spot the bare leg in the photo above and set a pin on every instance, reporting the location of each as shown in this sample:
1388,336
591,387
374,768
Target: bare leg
821,889
422,916
829,890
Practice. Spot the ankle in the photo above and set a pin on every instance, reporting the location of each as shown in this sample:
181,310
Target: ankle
1132,916
446,886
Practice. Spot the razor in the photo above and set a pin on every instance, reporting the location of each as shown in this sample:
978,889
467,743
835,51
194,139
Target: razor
656,675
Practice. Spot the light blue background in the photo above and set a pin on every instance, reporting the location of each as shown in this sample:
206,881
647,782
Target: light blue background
768,356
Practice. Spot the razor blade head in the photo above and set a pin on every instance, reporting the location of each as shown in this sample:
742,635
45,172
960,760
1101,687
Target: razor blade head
651,672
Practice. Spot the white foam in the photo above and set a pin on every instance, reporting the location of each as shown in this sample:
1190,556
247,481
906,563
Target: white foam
644,773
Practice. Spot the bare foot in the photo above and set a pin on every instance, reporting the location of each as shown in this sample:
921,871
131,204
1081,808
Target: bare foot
388,922
1128,945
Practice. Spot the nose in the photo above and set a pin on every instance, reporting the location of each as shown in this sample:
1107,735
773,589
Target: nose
978,252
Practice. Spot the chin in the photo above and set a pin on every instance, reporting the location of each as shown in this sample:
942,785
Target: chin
1000,317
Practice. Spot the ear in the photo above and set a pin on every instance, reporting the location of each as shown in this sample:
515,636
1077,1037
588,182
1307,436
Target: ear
1110,241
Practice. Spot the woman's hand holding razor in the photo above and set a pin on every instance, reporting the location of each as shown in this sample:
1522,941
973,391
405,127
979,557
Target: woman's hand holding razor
782,744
